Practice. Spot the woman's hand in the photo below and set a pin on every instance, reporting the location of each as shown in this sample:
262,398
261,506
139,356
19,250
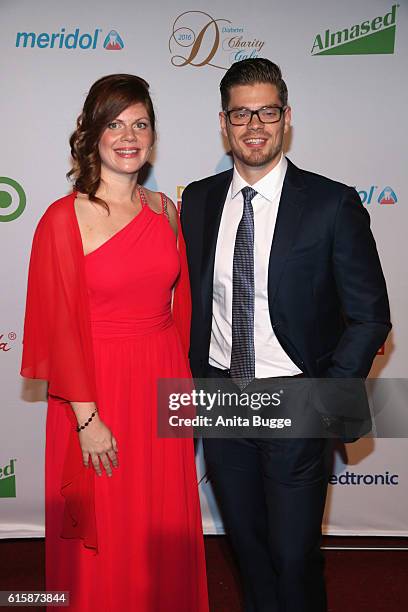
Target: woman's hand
96,439
98,443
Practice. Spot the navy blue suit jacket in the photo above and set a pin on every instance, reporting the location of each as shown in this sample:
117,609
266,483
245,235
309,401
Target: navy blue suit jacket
327,295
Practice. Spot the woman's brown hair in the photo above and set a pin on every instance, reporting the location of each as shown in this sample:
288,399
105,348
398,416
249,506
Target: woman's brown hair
106,100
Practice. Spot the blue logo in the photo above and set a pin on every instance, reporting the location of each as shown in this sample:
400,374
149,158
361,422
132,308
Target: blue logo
69,40
113,41
387,195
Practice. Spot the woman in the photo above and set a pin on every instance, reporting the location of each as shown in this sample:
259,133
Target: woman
123,525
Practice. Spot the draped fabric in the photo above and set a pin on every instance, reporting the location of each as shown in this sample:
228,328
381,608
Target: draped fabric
56,328
57,344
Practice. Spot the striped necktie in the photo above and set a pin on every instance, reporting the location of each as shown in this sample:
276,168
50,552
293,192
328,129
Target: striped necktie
242,368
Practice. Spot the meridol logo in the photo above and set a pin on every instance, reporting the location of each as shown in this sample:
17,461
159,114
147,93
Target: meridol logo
197,39
74,39
387,195
113,41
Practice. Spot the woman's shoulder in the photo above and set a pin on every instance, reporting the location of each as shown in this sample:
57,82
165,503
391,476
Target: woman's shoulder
161,203
58,215
157,200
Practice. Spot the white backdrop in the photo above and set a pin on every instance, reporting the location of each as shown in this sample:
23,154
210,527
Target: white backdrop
349,122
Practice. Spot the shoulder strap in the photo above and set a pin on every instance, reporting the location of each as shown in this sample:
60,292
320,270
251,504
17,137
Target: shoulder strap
164,204
142,196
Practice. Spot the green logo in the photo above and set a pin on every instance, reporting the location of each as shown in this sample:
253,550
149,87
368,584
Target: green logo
8,480
17,199
372,36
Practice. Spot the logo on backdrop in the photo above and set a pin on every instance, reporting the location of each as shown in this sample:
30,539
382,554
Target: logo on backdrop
73,39
373,36
12,199
113,41
5,341
197,39
8,479
351,478
180,189
385,196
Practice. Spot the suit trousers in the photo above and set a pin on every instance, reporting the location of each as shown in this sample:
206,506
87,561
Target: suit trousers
271,494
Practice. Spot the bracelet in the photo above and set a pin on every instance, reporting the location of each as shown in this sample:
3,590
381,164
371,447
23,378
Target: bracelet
78,429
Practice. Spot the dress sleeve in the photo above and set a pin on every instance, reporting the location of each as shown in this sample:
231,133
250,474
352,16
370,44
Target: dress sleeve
57,344
57,347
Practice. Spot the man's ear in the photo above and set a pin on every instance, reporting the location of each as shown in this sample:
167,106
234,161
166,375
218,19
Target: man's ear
223,122
287,119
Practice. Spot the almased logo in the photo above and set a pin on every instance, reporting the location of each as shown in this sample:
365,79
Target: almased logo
70,40
375,35
8,480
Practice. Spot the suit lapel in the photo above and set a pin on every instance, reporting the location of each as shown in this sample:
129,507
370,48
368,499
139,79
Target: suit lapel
214,205
289,214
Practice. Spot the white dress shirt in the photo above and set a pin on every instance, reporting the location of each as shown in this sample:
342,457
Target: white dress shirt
270,358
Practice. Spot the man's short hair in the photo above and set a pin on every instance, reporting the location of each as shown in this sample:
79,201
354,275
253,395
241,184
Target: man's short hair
251,71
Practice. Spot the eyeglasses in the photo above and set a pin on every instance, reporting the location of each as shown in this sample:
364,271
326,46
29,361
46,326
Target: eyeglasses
266,114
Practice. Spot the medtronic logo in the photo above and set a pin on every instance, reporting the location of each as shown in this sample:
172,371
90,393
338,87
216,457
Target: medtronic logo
375,35
69,40
8,480
386,196
350,478
12,199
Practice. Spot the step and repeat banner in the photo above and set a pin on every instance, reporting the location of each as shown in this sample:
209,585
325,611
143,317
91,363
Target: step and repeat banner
345,66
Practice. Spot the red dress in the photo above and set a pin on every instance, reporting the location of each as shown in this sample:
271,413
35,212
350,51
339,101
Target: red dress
149,555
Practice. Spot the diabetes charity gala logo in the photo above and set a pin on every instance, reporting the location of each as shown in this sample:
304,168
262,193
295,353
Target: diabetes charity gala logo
197,39
70,39
12,199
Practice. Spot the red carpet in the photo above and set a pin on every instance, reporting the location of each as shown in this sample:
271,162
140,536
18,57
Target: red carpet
357,581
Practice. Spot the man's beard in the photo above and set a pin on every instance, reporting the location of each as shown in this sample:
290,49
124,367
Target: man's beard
257,159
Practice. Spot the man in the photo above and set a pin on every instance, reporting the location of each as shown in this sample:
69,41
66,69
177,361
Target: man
285,281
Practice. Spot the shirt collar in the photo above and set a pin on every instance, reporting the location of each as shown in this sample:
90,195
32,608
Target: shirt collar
268,186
